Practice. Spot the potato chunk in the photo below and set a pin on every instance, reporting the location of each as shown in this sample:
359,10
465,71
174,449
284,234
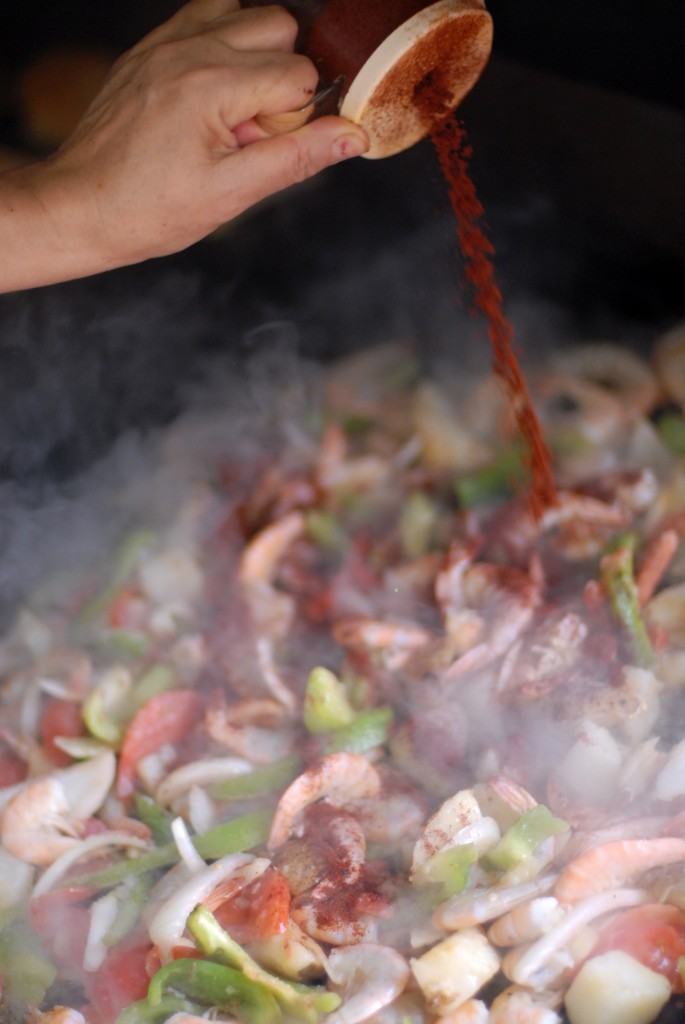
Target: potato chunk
614,988
455,969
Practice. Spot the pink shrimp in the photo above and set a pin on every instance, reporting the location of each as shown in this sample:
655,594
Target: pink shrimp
506,598
341,777
615,864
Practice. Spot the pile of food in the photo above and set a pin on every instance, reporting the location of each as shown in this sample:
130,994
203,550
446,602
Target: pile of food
351,736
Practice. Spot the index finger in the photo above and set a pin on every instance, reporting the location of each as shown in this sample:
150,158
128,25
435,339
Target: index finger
190,19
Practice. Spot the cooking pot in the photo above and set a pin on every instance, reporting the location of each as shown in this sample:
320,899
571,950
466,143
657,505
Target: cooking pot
583,192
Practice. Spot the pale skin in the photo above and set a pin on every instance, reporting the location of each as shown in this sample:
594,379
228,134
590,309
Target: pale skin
171,148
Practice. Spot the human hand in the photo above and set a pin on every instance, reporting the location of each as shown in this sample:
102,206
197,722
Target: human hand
171,148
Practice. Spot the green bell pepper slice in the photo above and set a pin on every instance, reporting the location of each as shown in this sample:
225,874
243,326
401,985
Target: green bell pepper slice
326,706
524,836
212,984
618,578
300,1001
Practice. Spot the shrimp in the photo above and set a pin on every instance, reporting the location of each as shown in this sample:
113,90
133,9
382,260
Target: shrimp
482,905
520,1006
338,473
506,598
368,977
394,642
43,820
535,668
338,777
504,799
615,864
252,728
526,922
271,610
348,846
583,523
336,929
551,953
390,819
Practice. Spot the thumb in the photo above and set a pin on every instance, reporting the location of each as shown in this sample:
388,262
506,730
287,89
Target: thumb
269,165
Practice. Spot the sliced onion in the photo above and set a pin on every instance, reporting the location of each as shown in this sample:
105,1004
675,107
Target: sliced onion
102,916
83,849
670,782
201,810
199,773
16,880
167,926
184,844
80,747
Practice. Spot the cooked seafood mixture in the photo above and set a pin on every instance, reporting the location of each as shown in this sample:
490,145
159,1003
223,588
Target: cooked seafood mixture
349,735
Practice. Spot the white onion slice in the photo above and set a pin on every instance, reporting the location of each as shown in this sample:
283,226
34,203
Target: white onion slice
199,773
201,810
167,926
102,916
83,849
184,844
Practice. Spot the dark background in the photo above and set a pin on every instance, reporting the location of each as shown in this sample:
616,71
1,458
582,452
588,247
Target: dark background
633,46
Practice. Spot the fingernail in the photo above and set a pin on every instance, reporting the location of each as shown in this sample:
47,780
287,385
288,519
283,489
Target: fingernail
347,146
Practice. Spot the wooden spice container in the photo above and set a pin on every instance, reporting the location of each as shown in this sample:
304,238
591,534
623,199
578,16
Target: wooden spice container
382,54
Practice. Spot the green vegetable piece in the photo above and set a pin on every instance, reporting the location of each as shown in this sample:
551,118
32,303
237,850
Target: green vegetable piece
155,680
524,836
131,897
671,429
326,705
215,985
26,975
141,1012
618,577
125,562
368,730
325,530
267,779
681,969
108,707
126,643
418,519
356,425
496,479
236,836
449,868
298,1001
154,816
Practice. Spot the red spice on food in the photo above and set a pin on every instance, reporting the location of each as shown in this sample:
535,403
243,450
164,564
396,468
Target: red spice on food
454,154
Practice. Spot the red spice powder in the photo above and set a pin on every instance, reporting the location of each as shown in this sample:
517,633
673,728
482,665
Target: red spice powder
454,154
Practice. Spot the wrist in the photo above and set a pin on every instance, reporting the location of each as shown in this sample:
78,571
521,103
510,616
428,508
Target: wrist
48,235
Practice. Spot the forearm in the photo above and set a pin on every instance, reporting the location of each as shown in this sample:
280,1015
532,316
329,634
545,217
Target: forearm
45,233
170,148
